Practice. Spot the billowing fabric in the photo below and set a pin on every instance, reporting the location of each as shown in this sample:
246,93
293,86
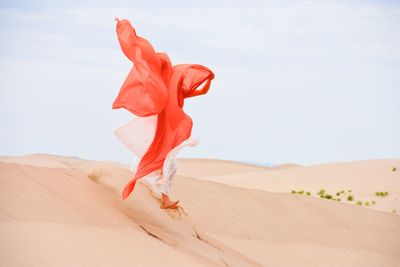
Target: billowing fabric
154,90
161,183
137,134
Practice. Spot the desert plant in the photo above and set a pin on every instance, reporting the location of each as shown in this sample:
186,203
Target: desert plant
350,198
394,210
340,192
394,169
308,193
382,194
366,203
327,196
359,203
321,192
300,192
373,202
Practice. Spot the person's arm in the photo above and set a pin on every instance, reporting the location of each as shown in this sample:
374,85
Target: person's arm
197,80
201,90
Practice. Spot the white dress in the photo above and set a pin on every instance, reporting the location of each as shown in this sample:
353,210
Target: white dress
138,135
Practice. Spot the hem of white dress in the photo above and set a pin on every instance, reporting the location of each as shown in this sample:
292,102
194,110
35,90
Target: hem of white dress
161,183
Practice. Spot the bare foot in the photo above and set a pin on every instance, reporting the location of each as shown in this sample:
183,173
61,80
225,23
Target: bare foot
167,203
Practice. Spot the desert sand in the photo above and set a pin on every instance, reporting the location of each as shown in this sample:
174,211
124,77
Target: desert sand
362,178
66,211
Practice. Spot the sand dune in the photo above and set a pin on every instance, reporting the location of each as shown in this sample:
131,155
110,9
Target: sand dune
66,211
193,167
363,178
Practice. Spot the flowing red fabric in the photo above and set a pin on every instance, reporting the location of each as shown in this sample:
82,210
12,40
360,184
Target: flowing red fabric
155,87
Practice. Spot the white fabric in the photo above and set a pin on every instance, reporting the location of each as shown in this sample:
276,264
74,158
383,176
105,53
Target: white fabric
137,135
162,183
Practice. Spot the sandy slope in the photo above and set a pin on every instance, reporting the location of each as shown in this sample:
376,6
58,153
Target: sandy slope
363,178
70,214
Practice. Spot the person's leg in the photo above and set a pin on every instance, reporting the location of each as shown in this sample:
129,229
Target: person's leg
166,183
167,203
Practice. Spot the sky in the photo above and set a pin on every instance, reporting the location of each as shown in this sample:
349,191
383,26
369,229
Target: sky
305,82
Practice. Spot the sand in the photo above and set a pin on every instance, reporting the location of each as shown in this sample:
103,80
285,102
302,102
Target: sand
65,211
363,178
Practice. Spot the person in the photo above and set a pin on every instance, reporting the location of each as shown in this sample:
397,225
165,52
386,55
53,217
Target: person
155,91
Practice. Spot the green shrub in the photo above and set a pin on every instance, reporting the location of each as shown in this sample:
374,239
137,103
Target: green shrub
327,196
394,169
359,203
366,203
350,198
308,193
340,192
300,192
373,202
382,194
